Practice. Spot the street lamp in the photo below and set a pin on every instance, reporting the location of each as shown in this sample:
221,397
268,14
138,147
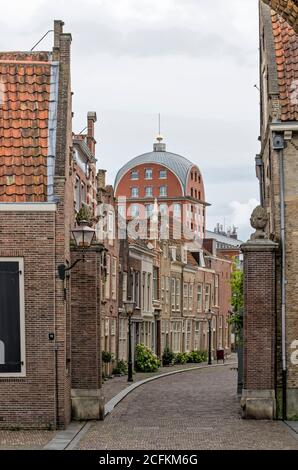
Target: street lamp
209,316
129,309
83,237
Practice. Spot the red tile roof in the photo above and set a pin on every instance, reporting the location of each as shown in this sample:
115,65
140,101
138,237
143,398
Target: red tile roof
25,88
286,52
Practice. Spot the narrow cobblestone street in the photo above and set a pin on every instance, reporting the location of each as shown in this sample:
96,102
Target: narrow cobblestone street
193,410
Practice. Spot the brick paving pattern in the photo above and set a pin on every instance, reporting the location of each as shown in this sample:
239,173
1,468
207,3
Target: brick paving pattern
193,410
24,440
115,385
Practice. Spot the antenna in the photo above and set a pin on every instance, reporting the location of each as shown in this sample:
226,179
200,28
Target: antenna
35,45
159,123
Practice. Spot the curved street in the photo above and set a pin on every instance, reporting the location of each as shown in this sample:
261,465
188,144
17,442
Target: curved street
193,410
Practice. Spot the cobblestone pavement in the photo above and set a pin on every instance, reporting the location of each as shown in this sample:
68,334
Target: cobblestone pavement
193,410
24,440
115,385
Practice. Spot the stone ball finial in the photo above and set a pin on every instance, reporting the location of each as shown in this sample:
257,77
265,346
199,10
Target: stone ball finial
258,221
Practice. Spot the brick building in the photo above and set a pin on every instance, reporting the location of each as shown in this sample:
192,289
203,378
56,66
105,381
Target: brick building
50,357
36,217
173,278
277,173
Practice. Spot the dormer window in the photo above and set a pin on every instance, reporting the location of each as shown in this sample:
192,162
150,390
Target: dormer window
134,175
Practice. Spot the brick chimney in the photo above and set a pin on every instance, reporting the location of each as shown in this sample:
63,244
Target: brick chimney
91,119
58,30
101,179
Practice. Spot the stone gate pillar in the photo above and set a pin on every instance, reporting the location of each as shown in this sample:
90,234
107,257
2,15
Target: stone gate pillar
86,374
258,395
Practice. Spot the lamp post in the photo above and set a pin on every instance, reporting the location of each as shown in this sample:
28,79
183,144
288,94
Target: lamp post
83,237
209,316
129,308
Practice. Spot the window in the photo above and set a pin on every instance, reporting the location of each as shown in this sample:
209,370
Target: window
134,175
162,281
148,191
174,253
155,284
12,324
163,191
143,291
149,292
136,292
173,292
148,174
177,210
124,287
167,290
207,296
176,328
216,289
134,210
196,177
114,278
185,296
113,336
178,294
78,201
163,209
184,254
197,342
111,234
108,277
122,339
188,332
147,334
191,176
83,193
163,174
191,192
149,210
199,298
134,192
190,299
164,334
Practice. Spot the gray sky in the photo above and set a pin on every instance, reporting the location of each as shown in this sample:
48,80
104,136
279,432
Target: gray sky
194,61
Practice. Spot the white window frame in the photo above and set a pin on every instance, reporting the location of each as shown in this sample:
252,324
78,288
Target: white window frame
135,192
148,191
149,170
200,294
22,320
163,191
163,174
134,175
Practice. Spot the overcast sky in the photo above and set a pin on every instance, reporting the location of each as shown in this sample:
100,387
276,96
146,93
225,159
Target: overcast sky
193,61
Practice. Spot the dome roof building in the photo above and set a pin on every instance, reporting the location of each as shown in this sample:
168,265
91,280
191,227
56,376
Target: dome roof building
170,179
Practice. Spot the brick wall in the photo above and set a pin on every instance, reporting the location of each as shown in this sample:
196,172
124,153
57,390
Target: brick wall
259,317
86,320
31,401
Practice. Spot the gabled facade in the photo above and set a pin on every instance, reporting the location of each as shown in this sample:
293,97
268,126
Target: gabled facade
277,174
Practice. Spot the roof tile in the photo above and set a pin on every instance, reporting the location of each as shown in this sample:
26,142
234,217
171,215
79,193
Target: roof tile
25,80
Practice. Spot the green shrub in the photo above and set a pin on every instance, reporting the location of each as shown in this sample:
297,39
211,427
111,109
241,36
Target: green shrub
121,368
146,360
168,357
107,357
181,358
196,357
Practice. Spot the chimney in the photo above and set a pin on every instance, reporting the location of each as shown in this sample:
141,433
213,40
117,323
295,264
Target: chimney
101,179
58,30
91,119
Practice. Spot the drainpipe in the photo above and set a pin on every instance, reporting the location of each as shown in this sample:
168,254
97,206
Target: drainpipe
279,145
